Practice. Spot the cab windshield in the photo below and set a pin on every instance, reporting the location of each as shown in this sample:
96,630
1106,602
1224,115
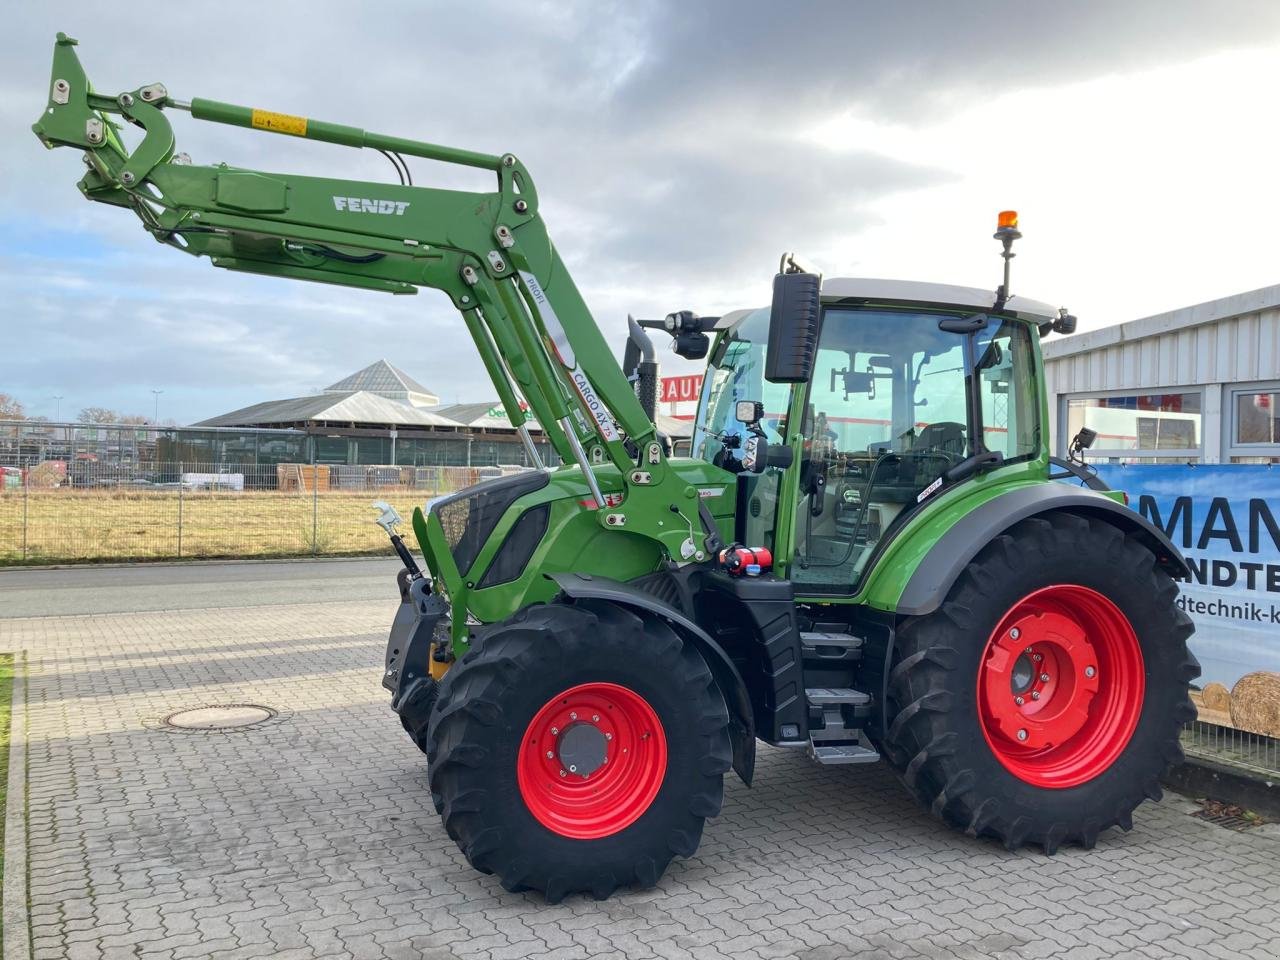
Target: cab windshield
894,404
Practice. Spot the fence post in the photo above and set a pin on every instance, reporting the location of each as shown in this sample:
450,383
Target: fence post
315,506
26,489
180,486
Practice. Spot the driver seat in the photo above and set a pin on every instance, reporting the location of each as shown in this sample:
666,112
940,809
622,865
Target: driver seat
945,436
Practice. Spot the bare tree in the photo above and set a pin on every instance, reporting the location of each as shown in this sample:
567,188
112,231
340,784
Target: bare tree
98,415
11,408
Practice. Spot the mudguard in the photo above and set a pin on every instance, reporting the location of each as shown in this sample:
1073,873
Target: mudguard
937,572
580,586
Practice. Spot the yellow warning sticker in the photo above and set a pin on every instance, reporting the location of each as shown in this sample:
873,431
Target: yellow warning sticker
280,122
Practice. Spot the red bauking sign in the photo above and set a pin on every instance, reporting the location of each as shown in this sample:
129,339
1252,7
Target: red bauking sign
680,389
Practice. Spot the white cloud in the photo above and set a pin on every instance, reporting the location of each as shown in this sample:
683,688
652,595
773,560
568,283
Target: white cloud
678,148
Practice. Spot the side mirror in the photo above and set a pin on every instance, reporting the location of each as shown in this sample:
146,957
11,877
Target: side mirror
749,411
1081,442
758,453
794,322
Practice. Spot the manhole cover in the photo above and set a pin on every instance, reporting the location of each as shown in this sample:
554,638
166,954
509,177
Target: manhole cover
229,717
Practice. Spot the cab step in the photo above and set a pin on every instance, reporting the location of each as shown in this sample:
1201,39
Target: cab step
844,753
830,645
837,696
840,739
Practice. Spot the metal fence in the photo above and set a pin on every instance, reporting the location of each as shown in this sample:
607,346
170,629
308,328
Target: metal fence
1238,748
146,448
56,513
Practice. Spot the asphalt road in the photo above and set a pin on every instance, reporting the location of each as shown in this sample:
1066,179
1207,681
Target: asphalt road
76,591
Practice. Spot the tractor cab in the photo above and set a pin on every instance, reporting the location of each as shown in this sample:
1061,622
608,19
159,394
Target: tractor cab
912,388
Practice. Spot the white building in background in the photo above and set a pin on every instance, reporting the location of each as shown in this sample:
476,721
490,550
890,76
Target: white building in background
384,379
1199,384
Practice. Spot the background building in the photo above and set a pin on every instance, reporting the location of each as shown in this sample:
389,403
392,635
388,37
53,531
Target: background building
1187,409
1199,384
381,415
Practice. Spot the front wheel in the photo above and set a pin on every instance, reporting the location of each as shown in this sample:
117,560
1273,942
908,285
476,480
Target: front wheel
578,749
1043,700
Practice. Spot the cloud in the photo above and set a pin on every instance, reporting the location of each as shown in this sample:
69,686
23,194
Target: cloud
678,149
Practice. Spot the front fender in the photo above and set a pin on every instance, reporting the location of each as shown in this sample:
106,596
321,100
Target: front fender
742,725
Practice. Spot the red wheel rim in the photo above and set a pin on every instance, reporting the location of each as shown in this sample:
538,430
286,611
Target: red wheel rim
592,760
1060,686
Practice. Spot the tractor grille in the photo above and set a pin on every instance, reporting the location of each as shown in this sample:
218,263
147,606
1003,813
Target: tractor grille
469,516
453,517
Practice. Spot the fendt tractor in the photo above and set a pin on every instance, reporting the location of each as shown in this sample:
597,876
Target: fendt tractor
869,553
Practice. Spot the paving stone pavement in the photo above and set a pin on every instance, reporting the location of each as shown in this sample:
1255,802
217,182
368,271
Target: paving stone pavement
313,836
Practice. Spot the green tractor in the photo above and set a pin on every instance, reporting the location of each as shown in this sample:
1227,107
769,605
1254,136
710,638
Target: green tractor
865,557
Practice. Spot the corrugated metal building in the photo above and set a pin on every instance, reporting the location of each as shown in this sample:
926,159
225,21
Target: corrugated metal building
1199,384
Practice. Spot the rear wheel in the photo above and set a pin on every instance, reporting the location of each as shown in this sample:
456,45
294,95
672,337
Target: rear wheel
578,749
1043,700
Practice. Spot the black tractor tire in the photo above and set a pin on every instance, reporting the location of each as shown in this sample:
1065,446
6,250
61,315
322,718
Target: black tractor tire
936,739
516,670
415,712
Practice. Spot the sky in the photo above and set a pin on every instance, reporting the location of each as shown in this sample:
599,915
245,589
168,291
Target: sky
678,148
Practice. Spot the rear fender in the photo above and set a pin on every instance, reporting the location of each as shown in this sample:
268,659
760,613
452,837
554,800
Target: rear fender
741,724
933,578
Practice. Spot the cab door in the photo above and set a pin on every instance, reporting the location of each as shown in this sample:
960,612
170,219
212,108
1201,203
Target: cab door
887,413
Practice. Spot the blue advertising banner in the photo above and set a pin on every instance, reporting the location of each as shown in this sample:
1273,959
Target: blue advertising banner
1225,518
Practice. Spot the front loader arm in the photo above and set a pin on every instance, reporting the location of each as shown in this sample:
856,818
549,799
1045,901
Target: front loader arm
488,252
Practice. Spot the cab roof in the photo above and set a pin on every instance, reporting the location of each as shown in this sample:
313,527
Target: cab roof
915,292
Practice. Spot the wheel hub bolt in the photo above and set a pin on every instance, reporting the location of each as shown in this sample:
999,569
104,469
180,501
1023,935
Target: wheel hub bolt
1022,735
562,773
1027,651
608,736
573,716
1035,694
595,718
1019,701
1044,678
1090,672
573,768
554,731
1015,633
1037,657
550,754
